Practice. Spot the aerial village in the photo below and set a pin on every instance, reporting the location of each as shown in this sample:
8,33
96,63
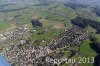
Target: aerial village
50,32
31,55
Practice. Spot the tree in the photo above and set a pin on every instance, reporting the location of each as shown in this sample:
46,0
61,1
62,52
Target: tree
36,22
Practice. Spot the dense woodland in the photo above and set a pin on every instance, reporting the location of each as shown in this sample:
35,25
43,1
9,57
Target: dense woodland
75,5
82,22
97,10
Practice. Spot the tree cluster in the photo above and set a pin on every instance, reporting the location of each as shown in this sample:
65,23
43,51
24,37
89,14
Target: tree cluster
36,22
82,22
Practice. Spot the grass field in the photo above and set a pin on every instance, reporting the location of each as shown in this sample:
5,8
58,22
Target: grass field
4,25
87,52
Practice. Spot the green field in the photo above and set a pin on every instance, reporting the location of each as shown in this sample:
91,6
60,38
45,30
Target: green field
4,25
